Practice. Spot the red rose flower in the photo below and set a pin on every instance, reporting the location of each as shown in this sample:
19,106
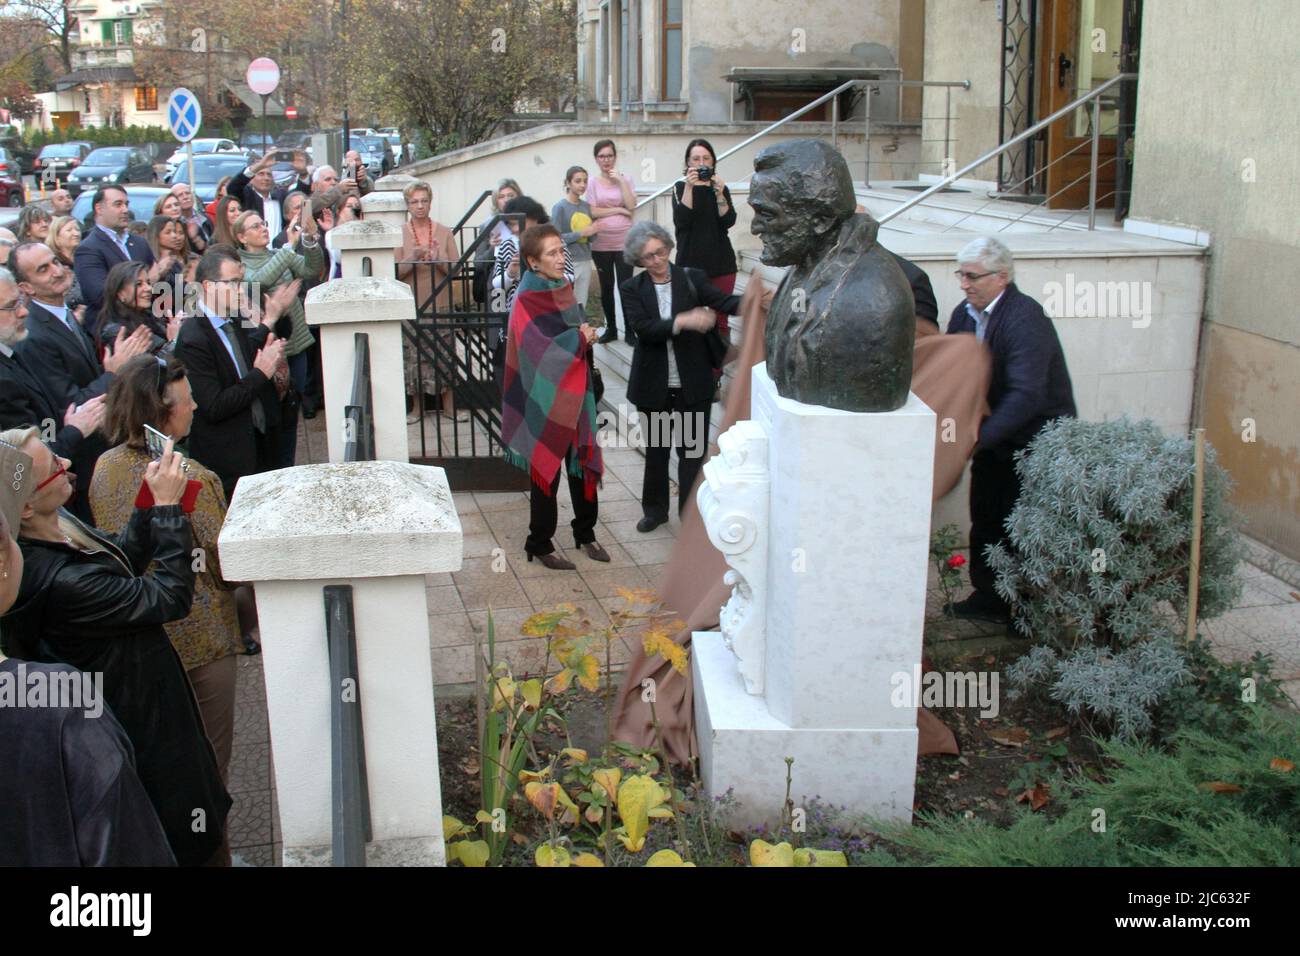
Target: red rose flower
956,561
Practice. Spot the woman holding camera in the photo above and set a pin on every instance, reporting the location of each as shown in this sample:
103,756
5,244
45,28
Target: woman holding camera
702,215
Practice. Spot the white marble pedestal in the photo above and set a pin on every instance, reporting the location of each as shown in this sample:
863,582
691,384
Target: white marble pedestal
841,607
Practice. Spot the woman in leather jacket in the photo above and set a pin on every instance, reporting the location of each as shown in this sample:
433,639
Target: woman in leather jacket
85,600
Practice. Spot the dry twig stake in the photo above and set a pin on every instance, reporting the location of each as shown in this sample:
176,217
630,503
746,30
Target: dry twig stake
1194,577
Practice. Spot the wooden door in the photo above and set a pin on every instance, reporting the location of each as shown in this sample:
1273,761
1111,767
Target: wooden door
1081,45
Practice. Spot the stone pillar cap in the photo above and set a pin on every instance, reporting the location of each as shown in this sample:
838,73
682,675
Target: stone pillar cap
394,181
366,234
360,299
386,201
366,519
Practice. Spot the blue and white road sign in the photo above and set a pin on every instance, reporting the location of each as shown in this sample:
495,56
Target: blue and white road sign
184,114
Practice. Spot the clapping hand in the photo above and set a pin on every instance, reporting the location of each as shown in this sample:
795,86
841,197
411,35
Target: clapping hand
279,301
589,334
268,358
88,417
698,319
127,347
166,476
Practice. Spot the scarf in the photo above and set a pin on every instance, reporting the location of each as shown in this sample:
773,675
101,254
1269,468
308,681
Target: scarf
548,412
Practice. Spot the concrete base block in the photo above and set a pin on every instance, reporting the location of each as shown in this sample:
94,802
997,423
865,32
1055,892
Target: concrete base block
410,851
743,748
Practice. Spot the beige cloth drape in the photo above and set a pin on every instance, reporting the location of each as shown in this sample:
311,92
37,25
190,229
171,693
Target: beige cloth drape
950,373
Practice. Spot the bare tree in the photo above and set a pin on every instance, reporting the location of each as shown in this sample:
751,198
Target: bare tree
55,15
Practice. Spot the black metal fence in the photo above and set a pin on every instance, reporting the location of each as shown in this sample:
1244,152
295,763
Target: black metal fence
453,346
359,414
349,787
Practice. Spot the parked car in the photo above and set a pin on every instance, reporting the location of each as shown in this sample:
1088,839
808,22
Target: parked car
140,200
111,164
19,152
202,147
11,183
257,142
374,153
208,171
59,159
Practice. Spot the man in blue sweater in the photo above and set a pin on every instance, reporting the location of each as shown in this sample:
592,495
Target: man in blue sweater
1030,387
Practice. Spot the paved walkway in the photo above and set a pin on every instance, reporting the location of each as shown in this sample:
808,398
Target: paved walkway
1267,619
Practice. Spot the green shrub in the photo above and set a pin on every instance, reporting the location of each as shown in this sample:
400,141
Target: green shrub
1213,801
1098,566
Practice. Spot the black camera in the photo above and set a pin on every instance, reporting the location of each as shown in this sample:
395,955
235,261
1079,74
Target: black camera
705,173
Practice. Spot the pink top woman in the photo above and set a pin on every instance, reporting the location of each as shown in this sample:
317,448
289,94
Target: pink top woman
602,193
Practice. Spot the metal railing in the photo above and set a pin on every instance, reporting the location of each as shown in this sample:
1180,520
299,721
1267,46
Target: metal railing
833,96
359,415
349,786
1093,97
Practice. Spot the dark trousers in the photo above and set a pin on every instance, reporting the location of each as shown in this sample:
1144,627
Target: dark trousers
613,270
994,488
543,515
660,442
289,405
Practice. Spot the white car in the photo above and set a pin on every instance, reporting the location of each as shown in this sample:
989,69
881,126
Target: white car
205,146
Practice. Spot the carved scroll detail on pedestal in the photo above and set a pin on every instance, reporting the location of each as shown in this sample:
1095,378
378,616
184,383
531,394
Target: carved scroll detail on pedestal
733,502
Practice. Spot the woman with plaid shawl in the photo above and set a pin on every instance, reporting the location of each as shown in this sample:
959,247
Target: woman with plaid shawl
548,414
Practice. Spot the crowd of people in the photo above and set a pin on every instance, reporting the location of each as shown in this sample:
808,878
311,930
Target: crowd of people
99,351
189,325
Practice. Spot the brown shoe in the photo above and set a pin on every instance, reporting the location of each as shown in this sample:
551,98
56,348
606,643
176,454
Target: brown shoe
554,562
595,552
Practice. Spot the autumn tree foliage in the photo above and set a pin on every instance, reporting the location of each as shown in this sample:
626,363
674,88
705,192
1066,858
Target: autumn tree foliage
197,43
457,68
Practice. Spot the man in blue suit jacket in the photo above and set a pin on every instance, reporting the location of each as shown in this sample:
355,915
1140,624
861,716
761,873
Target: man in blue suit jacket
106,244
1030,387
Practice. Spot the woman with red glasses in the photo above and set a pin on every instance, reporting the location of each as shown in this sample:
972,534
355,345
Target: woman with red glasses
85,600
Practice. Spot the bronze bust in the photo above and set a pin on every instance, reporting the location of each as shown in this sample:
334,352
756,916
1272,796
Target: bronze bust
842,324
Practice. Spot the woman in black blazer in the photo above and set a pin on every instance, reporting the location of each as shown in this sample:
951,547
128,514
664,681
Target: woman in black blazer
671,310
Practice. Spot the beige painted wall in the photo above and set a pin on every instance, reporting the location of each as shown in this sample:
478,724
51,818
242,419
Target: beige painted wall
1216,150
962,42
720,34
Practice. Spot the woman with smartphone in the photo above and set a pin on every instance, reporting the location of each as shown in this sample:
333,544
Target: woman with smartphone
702,214
86,600
151,393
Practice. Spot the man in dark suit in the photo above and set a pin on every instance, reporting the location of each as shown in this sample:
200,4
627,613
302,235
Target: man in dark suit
58,350
106,244
236,428
1030,387
671,310
70,433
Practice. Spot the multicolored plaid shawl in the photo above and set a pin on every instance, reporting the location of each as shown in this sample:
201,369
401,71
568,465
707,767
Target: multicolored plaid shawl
548,410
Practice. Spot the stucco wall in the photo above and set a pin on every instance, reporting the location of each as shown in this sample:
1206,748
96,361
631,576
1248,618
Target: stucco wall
1216,150
963,39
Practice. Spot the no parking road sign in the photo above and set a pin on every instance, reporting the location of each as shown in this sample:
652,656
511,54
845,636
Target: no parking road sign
184,114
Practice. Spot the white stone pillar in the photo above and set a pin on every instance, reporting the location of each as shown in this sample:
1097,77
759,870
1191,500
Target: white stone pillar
380,527
376,306
365,239
394,182
384,206
841,610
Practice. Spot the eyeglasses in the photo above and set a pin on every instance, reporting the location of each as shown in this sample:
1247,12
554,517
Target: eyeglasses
972,276
58,471
606,155
13,306
661,254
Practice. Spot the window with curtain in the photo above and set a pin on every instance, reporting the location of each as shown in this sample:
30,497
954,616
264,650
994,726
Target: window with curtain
671,52
146,98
